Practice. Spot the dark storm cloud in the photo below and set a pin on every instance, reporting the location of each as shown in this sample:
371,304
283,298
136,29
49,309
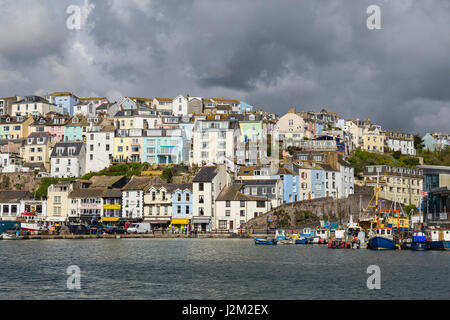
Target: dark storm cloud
273,54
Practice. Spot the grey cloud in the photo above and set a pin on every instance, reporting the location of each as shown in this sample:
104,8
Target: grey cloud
273,54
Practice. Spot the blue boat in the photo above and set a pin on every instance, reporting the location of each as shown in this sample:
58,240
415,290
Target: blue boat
440,240
382,239
265,241
301,241
418,243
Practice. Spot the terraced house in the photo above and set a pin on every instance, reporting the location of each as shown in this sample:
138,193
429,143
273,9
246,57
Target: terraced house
234,208
400,141
164,146
32,105
68,159
397,184
15,127
64,101
36,151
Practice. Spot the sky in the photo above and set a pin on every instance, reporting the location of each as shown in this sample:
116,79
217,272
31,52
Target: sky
275,55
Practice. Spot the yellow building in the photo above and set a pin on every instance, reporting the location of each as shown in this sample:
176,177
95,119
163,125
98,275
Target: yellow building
373,141
15,127
127,149
36,150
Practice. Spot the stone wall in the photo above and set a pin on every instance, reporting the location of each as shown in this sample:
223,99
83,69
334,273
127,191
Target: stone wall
296,214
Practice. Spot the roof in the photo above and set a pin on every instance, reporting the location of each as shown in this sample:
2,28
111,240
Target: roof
35,135
232,193
14,196
87,193
62,94
112,193
138,183
171,187
92,98
164,99
226,100
206,174
31,99
104,181
260,182
64,146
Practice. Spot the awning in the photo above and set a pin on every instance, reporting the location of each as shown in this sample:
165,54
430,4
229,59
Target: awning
110,219
180,221
158,221
201,220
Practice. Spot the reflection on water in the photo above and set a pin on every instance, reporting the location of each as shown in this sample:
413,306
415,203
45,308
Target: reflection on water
214,269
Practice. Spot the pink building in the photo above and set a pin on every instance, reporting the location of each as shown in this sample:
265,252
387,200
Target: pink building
56,127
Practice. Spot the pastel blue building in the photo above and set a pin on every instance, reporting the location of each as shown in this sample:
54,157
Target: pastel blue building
317,183
245,107
73,130
182,205
291,184
64,102
164,146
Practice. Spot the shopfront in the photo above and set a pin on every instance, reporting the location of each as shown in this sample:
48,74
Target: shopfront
201,224
182,225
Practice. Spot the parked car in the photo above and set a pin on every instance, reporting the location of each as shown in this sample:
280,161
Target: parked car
114,230
78,228
142,227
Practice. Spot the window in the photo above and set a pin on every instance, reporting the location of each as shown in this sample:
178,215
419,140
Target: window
187,210
187,197
223,224
201,200
227,213
228,204
242,204
200,187
179,209
179,197
242,213
260,204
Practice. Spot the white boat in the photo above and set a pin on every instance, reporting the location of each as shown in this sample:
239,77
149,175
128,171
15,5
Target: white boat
10,236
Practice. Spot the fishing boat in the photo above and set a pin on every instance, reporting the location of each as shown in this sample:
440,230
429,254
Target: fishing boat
265,241
440,239
417,243
382,238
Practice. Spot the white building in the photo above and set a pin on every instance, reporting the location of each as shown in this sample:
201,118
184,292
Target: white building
99,148
399,141
234,209
207,185
68,159
133,197
213,139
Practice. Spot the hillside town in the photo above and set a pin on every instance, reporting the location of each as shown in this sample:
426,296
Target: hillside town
237,161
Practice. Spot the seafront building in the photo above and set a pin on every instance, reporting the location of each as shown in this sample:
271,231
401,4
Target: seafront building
402,185
234,171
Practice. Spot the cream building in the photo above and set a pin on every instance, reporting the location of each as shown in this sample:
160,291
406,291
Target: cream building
32,105
373,141
291,129
397,183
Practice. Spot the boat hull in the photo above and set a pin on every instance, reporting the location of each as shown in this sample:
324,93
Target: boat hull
440,245
382,243
262,241
301,241
417,246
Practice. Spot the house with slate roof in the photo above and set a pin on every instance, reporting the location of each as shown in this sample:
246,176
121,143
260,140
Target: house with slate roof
68,159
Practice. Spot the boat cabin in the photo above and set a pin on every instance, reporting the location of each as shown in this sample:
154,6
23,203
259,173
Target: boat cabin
440,235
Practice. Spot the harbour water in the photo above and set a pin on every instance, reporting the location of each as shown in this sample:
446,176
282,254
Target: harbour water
180,269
